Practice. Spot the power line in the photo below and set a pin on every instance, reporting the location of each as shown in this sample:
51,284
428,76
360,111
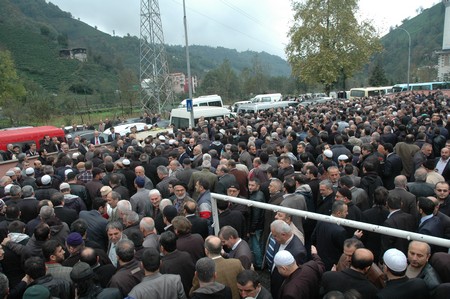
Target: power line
232,28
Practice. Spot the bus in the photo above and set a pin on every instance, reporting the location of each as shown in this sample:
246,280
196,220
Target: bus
209,100
361,92
421,86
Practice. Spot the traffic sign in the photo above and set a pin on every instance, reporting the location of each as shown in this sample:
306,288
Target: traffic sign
189,105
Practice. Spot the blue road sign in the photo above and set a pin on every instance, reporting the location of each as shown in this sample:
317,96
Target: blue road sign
189,105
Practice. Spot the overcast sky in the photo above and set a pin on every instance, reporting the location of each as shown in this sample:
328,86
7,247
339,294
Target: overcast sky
258,25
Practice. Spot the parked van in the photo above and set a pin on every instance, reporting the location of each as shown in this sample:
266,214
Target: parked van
181,118
256,107
267,98
209,100
25,136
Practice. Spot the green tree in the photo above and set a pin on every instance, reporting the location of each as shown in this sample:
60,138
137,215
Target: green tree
128,94
223,81
378,76
327,42
254,79
12,90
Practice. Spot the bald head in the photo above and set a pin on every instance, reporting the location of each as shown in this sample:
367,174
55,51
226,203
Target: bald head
362,259
147,225
213,246
400,181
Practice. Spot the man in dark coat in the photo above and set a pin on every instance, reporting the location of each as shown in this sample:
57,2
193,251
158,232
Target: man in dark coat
63,213
409,204
329,237
370,180
232,218
191,243
225,179
429,223
249,285
285,168
175,261
392,166
238,247
399,220
281,232
398,285
442,165
353,277
199,225
276,197
326,196
301,281
129,272
96,223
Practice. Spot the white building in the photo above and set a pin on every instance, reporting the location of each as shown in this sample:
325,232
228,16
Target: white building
180,83
444,55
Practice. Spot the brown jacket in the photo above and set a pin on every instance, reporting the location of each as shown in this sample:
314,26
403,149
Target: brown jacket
375,275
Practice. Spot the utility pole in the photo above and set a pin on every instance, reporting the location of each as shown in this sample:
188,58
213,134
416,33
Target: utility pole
188,64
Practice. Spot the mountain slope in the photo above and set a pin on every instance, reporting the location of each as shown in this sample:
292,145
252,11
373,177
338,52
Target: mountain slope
34,31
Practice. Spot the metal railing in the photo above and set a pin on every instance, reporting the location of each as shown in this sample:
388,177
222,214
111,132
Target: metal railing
327,218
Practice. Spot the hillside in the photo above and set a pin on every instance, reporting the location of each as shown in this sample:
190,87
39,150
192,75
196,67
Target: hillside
34,31
426,30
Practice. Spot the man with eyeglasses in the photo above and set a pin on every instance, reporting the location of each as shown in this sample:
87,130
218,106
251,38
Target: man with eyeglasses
442,193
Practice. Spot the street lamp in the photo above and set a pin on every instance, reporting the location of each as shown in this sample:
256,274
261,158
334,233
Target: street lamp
409,54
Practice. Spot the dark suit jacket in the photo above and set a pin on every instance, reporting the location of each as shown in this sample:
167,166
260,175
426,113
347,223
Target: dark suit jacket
409,202
285,172
376,215
393,167
185,175
421,189
182,157
433,227
192,244
269,215
241,179
100,138
234,219
66,215
440,261
199,225
96,229
446,171
398,220
28,208
224,182
243,253
298,251
103,274
329,239
348,279
179,262
411,288
445,220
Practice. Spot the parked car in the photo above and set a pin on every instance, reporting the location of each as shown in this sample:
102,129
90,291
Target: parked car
88,134
126,128
162,124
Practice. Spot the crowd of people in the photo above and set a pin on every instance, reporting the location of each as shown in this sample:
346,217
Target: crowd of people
133,218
